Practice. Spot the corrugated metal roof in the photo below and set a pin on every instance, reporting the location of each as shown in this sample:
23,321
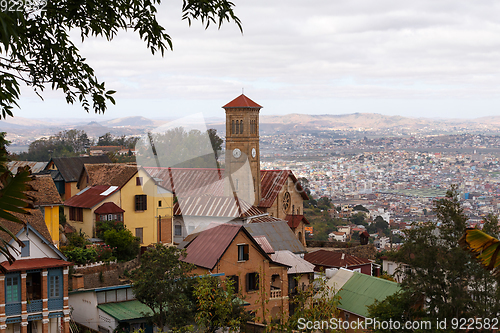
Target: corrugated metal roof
294,220
362,290
215,206
37,263
298,265
71,167
264,244
279,235
189,182
264,219
271,183
340,277
334,259
210,245
129,310
89,196
242,102
108,208
34,166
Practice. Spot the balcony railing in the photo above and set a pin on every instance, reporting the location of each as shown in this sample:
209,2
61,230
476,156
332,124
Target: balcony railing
12,309
34,305
276,293
56,303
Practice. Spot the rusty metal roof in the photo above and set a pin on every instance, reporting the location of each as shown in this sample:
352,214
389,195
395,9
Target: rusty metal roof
215,206
90,196
298,265
36,263
189,182
271,183
71,167
34,166
332,259
294,220
264,244
264,219
242,102
108,208
206,249
279,235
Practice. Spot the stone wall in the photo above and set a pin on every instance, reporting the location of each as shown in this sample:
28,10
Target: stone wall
106,275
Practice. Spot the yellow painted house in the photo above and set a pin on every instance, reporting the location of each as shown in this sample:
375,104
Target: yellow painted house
47,200
125,193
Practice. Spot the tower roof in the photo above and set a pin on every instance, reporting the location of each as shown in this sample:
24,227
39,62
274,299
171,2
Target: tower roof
242,102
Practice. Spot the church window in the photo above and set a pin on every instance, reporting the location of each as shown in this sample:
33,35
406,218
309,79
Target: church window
237,127
241,126
232,127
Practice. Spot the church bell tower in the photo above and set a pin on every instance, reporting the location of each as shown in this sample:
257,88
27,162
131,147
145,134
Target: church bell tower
242,149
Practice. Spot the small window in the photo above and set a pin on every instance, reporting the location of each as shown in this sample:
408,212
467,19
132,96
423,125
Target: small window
76,214
252,281
241,126
243,252
159,203
138,181
237,127
178,230
25,251
139,234
236,285
141,202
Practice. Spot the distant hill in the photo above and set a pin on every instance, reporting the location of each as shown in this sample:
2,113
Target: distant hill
130,122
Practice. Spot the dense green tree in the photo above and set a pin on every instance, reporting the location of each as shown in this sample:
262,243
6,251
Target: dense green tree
217,305
162,282
125,245
36,49
358,218
361,208
449,282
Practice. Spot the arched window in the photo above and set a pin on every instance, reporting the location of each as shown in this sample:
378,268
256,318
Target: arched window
237,127
232,127
241,126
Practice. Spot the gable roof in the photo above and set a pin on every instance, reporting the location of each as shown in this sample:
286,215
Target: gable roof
215,206
332,259
294,220
111,174
44,191
71,167
189,181
271,183
362,290
35,219
278,234
90,196
206,249
108,208
242,102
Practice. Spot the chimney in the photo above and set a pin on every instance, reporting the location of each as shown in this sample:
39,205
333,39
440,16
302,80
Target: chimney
77,281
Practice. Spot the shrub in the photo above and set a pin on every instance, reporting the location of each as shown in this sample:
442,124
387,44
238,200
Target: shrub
103,226
77,239
80,255
125,245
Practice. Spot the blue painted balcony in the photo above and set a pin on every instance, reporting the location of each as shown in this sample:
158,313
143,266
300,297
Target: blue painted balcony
56,303
34,305
12,309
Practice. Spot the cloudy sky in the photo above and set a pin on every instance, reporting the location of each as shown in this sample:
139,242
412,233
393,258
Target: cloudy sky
423,58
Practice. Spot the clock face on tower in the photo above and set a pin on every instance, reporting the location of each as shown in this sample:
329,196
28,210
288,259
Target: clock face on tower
254,152
236,153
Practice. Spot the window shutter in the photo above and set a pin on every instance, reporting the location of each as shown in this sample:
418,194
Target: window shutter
245,252
248,281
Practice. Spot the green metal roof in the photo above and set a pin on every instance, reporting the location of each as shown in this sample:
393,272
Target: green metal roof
362,290
128,310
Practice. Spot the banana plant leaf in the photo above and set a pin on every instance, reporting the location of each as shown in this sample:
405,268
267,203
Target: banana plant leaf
485,247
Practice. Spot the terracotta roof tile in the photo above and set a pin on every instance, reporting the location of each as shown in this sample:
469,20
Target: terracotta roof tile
242,102
111,174
35,219
45,191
